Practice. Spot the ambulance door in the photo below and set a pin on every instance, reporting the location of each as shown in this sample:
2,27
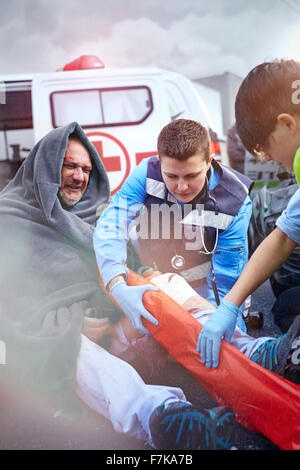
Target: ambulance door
122,115
183,101
16,132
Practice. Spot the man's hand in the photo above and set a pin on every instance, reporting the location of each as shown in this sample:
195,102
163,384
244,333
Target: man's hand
95,328
130,299
221,324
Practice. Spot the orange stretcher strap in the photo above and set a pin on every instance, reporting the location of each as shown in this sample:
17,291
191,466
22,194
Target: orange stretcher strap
261,400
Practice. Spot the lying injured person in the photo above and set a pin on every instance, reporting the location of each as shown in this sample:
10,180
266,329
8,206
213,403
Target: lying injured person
280,355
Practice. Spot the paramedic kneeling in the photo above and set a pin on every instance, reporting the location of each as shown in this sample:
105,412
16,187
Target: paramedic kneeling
185,213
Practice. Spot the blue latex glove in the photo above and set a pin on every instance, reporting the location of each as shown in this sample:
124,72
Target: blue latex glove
221,324
130,299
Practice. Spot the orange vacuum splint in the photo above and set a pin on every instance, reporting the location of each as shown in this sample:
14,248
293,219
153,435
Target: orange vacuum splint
262,401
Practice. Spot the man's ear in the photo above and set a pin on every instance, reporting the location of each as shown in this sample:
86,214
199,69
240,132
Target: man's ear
289,121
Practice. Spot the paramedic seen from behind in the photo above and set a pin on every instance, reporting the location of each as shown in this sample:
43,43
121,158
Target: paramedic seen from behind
268,123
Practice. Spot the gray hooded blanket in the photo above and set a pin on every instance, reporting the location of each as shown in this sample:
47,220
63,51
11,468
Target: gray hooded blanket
48,270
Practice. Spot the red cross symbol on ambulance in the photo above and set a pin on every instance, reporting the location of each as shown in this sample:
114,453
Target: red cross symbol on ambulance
114,156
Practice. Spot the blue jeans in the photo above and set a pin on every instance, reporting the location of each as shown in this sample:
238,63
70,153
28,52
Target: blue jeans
286,307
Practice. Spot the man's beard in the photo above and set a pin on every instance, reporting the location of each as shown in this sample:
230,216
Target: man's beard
65,202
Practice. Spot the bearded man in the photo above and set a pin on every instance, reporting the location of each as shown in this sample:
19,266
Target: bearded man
48,283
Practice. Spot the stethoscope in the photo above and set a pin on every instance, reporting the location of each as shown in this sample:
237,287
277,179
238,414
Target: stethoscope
209,197
178,261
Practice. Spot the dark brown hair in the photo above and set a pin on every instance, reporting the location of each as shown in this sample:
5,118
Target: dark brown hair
266,92
183,138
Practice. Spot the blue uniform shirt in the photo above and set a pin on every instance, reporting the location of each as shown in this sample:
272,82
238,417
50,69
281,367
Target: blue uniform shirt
112,233
289,221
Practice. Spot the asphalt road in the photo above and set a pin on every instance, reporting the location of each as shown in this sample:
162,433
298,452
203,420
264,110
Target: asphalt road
26,425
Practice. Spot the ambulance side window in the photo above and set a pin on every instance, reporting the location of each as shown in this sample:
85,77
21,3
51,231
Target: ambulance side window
101,107
81,106
127,105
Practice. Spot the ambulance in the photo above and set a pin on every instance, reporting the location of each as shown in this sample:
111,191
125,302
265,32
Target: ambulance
121,110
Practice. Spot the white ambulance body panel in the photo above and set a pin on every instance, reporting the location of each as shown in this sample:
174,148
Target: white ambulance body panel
121,110
212,105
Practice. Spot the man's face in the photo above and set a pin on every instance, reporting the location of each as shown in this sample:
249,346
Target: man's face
75,172
185,179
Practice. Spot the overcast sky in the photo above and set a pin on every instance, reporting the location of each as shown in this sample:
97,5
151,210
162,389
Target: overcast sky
195,37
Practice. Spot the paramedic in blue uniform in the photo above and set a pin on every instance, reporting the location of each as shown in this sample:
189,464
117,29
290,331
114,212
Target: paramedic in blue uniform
185,213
